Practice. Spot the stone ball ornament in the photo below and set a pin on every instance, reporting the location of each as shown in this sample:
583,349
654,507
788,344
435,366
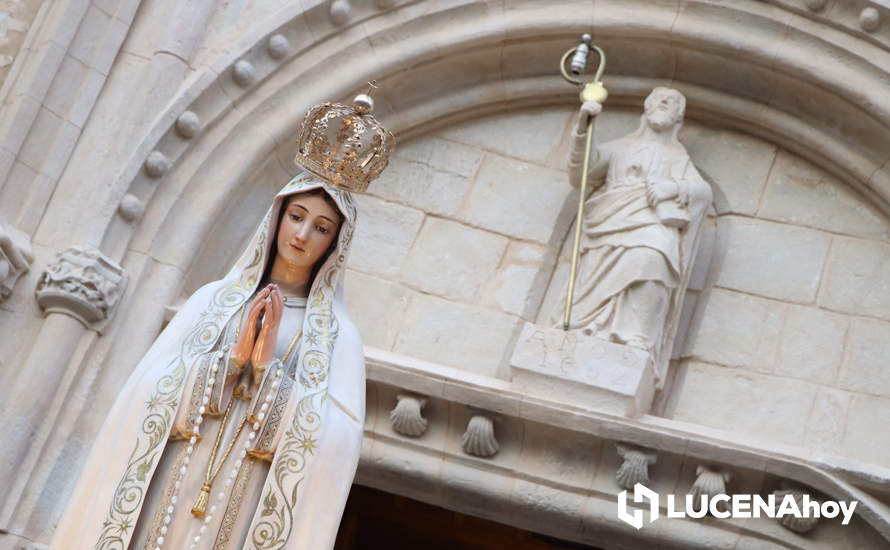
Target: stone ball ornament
156,164
344,145
130,207
870,19
340,11
188,125
243,73
278,46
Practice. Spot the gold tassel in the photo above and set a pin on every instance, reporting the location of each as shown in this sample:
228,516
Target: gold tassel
200,507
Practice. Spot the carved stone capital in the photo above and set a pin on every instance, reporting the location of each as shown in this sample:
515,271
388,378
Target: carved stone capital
84,284
15,257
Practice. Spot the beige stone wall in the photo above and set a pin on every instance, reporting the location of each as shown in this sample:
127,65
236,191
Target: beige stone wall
16,17
788,314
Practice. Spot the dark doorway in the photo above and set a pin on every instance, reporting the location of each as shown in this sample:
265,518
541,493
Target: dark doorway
375,520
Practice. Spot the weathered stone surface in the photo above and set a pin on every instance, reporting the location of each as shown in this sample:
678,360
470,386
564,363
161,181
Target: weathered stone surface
508,133
383,235
864,437
520,199
431,174
376,307
825,427
521,280
736,165
774,260
736,330
745,402
802,194
857,278
467,337
865,363
453,260
811,344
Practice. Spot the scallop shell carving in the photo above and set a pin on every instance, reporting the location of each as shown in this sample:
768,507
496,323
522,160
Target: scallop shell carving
709,482
635,467
798,525
479,438
406,418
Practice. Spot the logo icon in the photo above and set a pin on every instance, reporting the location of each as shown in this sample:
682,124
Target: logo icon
641,494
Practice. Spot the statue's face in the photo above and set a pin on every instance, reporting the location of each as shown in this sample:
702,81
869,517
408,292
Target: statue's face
664,109
307,229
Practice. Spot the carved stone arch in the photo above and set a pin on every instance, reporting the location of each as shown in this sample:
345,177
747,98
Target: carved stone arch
491,60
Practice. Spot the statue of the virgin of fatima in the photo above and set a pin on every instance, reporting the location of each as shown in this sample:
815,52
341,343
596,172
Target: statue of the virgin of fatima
640,229
241,426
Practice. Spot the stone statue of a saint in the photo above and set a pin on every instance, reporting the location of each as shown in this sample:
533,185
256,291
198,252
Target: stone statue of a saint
241,427
640,227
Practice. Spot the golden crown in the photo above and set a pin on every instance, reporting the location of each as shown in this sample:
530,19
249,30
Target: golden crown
344,146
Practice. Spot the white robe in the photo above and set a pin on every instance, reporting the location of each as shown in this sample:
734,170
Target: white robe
293,504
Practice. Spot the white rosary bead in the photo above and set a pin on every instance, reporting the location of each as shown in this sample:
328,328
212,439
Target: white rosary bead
182,470
220,495
202,409
167,519
214,368
251,435
261,416
229,481
202,529
198,421
190,449
238,464
208,390
247,444
256,426
196,431
160,540
197,539
163,529
186,460
173,499
177,484
280,372
169,509
213,509
243,454
207,518
211,381
193,440
264,407
205,400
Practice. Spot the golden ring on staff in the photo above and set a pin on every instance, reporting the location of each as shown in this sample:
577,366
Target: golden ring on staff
592,90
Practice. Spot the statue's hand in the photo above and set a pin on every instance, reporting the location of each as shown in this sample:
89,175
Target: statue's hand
264,349
246,337
661,191
589,109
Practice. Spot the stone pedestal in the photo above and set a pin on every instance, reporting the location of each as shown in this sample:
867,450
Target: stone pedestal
583,370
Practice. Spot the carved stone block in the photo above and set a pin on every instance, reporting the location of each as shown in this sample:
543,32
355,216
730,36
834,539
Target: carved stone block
583,370
15,257
84,284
